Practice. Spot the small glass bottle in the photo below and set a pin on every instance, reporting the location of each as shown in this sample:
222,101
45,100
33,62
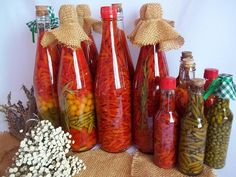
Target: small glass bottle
182,96
193,132
122,38
166,125
185,55
150,68
210,74
220,119
46,71
113,88
75,90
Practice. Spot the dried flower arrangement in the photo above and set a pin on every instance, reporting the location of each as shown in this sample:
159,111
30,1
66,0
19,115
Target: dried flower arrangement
20,117
44,152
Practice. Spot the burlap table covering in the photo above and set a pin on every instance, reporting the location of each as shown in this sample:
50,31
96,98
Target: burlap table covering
143,166
100,163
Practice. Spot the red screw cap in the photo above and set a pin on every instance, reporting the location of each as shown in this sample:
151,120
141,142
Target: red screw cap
109,12
211,73
167,83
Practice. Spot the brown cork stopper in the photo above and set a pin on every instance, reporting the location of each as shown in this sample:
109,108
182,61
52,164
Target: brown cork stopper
198,82
118,6
186,54
41,10
188,62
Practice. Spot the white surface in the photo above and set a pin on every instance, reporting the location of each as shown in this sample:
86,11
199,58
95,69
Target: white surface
209,29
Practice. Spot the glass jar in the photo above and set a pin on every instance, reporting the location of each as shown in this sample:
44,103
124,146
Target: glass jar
182,96
112,91
185,54
220,119
166,125
150,67
210,74
193,132
122,38
46,72
76,99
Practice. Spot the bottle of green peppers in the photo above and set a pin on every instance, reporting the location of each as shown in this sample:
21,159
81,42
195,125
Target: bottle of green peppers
220,119
193,132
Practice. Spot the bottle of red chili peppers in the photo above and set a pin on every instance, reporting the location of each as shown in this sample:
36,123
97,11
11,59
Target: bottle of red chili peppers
150,68
166,125
210,74
113,102
75,88
46,71
122,38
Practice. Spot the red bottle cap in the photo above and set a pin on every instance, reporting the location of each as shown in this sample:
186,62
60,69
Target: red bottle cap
108,12
211,73
167,83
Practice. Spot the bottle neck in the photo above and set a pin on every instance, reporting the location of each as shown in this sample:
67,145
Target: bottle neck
167,100
109,32
43,23
185,75
120,22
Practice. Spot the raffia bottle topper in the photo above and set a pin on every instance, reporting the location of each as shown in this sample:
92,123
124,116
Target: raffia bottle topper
88,24
69,33
86,21
152,29
75,89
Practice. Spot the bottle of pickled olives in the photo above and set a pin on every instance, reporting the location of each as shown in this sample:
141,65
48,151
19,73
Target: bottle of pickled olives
210,74
220,119
193,132
166,125
187,73
185,54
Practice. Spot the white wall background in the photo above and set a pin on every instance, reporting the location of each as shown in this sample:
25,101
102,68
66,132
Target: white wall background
208,26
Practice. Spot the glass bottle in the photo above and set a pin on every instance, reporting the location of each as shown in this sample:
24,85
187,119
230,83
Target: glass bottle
150,67
46,71
185,55
76,97
113,101
89,47
122,38
210,74
193,132
166,125
220,119
182,96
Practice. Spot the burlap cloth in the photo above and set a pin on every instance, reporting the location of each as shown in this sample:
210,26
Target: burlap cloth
8,147
152,29
86,21
100,163
143,166
69,33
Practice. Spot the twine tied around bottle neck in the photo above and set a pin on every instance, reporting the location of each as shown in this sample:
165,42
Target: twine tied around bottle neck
152,29
86,21
69,33
223,87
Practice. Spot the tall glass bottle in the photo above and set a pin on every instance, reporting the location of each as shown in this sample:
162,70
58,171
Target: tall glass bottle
166,124
150,67
193,132
182,96
75,88
113,101
122,38
210,74
185,55
46,71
